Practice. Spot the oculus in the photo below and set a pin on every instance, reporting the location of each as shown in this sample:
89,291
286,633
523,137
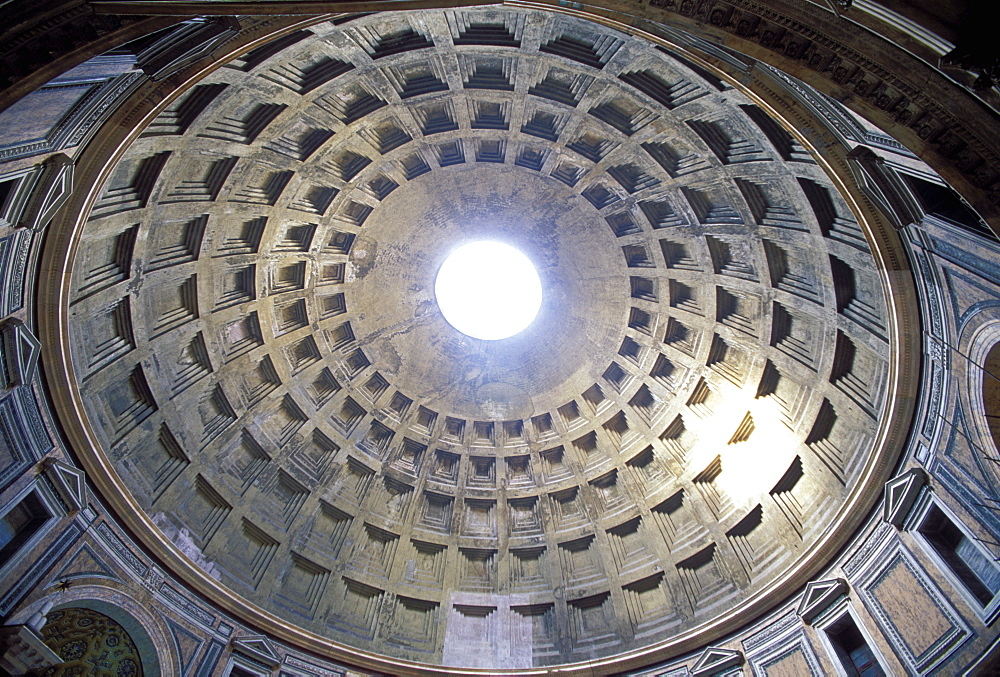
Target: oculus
488,290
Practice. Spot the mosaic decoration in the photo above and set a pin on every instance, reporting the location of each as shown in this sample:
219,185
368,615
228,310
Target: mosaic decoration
90,643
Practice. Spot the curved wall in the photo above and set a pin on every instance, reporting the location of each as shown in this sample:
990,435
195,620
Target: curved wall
879,563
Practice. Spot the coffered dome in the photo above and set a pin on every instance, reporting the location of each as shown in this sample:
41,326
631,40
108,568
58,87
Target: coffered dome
669,448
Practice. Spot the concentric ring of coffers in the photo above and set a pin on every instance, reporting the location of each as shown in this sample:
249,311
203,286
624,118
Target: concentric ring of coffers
254,330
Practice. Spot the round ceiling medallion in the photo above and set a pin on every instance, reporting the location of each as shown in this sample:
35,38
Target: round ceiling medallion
488,290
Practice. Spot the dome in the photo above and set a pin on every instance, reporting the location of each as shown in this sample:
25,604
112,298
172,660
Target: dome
266,387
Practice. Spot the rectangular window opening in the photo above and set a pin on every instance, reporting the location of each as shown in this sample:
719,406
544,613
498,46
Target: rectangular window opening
853,652
966,560
21,523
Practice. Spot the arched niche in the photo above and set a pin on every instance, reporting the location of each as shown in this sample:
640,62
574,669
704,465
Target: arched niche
83,637
120,623
977,359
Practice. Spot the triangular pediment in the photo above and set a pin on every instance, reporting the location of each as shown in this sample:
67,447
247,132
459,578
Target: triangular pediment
69,483
20,352
714,660
819,595
886,189
901,493
50,193
258,648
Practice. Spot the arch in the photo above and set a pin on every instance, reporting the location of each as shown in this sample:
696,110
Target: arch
136,632
983,378
150,638
144,645
82,637
991,392
978,349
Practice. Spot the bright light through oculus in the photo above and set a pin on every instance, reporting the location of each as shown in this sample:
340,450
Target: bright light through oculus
488,290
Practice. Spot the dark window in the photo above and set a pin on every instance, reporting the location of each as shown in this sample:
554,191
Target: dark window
855,655
20,524
972,566
945,203
6,189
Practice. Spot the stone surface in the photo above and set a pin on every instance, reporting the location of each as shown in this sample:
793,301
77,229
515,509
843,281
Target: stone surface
253,318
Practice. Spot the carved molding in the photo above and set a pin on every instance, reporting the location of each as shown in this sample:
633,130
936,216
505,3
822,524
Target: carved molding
24,651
